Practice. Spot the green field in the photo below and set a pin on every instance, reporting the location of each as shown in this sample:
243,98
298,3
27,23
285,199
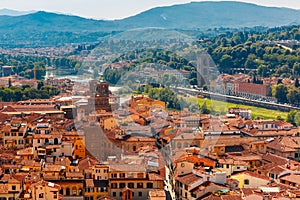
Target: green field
221,107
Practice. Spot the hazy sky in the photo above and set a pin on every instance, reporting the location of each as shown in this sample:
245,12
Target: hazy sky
113,9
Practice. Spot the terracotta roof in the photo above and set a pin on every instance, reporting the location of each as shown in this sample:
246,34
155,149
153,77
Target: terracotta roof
231,197
269,133
188,179
86,163
260,176
26,151
212,197
293,178
254,197
31,163
32,108
155,177
272,168
127,168
11,180
278,159
76,175
52,168
46,183
247,191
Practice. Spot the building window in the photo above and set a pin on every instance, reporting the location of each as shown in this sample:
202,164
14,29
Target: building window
140,185
140,175
140,194
114,194
246,182
114,185
130,185
121,194
13,187
122,185
227,166
122,175
41,195
149,185
55,195
178,145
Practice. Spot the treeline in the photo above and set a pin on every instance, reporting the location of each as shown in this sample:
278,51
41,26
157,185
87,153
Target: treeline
26,92
259,53
13,39
287,94
166,95
24,65
164,58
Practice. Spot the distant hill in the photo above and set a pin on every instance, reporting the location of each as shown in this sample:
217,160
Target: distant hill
44,26
213,14
184,16
44,21
9,12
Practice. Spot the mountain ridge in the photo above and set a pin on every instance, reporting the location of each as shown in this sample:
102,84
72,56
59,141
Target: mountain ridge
43,27
193,15
10,12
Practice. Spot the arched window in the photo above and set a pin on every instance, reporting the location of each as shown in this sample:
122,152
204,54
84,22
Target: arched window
186,145
68,192
55,141
179,145
74,191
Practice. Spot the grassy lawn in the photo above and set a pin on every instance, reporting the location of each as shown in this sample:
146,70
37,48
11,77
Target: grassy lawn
221,107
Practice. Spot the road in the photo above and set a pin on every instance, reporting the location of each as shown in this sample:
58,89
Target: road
236,99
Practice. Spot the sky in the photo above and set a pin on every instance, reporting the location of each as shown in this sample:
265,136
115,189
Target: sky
114,9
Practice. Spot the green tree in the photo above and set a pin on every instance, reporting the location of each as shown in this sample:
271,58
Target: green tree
297,119
297,83
296,69
203,109
293,95
281,93
9,82
40,85
262,70
251,62
226,63
291,117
